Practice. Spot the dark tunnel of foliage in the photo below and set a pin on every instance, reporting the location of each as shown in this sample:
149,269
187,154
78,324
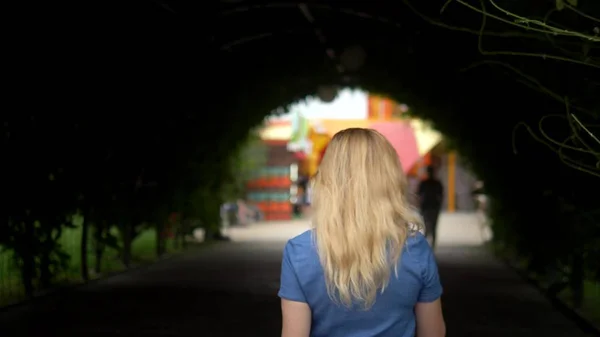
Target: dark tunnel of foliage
127,113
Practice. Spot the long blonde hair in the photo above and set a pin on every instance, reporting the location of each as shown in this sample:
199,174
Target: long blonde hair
362,216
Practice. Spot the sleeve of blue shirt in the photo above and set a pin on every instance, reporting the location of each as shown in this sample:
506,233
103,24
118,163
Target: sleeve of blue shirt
289,287
432,287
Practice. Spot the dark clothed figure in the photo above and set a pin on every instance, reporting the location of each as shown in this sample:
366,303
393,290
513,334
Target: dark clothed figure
431,196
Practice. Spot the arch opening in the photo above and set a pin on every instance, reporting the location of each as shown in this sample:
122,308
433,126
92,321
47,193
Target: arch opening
296,140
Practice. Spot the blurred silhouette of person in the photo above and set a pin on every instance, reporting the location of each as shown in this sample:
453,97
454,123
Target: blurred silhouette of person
479,196
431,196
299,202
413,186
482,204
245,213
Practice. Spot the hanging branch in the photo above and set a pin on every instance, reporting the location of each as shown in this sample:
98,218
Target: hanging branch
524,23
579,145
441,24
574,123
576,142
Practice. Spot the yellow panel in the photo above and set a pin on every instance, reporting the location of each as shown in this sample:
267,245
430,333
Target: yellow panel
427,138
277,131
333,126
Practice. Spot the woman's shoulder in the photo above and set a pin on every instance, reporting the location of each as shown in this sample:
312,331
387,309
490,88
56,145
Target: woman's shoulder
415,237
301,252
300,243
417,245
302,239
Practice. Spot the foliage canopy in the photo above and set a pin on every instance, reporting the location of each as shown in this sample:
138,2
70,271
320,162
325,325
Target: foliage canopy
129,121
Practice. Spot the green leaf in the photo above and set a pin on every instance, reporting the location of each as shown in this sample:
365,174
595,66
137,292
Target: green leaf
560,5
572,3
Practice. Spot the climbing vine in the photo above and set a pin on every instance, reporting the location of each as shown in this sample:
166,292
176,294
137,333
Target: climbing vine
571,135
582,140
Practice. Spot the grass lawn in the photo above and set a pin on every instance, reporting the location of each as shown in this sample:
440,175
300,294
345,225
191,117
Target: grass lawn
591,304
143,251
590,309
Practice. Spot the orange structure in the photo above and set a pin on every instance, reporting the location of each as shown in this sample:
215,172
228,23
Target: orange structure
380,108
451,182
319,141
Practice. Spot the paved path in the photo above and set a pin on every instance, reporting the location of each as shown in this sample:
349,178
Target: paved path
230,290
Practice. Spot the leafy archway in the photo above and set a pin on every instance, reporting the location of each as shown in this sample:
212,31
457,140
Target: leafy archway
147,116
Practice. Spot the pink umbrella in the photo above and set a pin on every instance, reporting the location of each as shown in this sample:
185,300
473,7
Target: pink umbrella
403,139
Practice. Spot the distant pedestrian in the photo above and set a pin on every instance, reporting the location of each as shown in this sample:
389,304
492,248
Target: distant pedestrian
431,197
244,213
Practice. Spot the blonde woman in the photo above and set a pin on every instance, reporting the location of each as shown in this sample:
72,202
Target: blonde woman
364,270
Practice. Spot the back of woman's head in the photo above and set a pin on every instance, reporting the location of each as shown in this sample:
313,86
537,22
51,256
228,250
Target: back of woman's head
362,216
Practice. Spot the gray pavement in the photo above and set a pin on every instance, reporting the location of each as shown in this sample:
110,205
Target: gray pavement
230,289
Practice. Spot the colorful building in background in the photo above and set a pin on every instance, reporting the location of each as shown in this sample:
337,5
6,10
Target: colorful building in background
302,142
269,188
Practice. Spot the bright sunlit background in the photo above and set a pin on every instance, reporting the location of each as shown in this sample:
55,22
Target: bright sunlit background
349,104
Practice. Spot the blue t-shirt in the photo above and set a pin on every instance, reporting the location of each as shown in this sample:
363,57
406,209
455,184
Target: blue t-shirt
302,280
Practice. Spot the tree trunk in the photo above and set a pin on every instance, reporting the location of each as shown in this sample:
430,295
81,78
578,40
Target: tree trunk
99,247
127,237
160,240
45,273
28,260
184,231
84,251
576,281
179,233
176,243
28,274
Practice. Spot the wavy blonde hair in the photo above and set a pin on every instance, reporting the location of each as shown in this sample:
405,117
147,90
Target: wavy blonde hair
361,214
